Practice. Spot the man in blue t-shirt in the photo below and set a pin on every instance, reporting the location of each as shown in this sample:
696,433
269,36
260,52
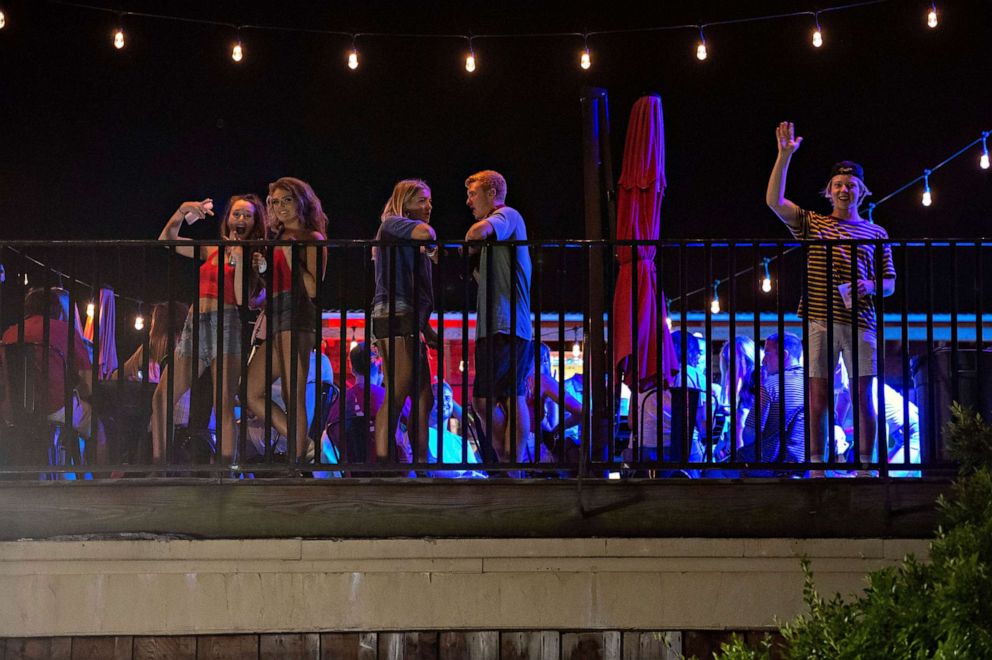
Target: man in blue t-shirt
504,347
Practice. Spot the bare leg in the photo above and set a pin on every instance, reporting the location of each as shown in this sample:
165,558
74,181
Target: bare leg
259,389
399,386
181,367
293,394
232,367
497,436
819,395
867,419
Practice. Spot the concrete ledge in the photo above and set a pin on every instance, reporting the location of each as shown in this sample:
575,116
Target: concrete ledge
174,587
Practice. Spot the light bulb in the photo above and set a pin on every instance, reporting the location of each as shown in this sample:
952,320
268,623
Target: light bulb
3,20
237,53
353,59
353,345
470,62
927,199
701,51
139,322
817,38
585,61
90,310
577,350
119,39
461,365
668,322
766,285
932,18
25,279
715,306
983,162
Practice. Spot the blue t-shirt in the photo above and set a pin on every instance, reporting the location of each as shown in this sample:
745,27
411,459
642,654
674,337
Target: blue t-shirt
410,263
510,284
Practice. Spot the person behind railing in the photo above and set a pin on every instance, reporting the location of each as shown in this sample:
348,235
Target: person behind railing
549,427
159,352
450,443
54,303
768,417
498,346
358,430
741,381
401,322
296,214
244,219
846,190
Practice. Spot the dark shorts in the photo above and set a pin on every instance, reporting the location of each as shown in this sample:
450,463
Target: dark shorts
506,351
401,325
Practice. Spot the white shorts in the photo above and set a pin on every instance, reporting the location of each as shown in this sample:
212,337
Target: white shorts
843,345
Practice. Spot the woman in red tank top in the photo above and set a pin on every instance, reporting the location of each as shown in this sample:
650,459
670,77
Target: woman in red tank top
244,219
295,214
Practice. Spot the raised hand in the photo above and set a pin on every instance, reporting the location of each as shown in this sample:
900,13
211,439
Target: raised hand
785,135
194,211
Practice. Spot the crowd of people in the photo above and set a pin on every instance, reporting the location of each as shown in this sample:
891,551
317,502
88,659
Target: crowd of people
395,399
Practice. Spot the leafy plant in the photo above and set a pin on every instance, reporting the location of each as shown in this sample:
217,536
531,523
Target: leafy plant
939,609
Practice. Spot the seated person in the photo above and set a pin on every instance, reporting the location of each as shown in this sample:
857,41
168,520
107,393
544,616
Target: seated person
550,423
772,398
359,425
451,443
38,304
741,382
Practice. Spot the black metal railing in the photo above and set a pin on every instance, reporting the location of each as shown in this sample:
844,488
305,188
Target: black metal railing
589,412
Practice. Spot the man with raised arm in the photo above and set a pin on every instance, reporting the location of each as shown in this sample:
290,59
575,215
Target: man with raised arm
846,190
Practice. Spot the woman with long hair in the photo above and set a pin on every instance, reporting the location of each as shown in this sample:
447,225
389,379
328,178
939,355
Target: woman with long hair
295,214
401,311
741,380
244,219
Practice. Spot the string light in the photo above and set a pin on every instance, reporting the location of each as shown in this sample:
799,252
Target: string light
238,52
585,60
715,304
576,346
25,279
3,20
470,58
927,199
90,310
353,55
668,322
461,365
701,46
817,34
766,282
139,322
983,162
932,16
119,38
354,342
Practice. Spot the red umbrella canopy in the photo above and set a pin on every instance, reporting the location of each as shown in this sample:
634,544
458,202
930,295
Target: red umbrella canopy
636,305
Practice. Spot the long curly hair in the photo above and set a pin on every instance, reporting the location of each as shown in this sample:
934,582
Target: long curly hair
311,212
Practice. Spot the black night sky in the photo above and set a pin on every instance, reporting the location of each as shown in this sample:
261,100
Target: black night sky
101,143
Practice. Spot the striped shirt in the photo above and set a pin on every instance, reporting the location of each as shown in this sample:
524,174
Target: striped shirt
795,418
810,225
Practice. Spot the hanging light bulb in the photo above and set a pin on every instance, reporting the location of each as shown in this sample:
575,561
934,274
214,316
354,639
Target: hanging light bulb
715,304
139,322
354,342
701,46
668,322
766,281
927,199
25,279
983,162
584,60
461,365
932,16
470,62
119,39
353,59
576,346
817,33
237,53
3,20
90,310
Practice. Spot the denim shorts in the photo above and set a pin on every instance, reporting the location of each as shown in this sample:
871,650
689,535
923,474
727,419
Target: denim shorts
207,335
504,351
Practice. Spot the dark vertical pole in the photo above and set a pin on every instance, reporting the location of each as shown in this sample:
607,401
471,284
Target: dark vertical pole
881,428
931,445
904,270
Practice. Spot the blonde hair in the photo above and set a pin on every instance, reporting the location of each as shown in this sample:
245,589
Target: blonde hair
403,193
490,180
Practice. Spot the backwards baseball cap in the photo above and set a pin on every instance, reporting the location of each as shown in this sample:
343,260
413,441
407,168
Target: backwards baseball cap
848,167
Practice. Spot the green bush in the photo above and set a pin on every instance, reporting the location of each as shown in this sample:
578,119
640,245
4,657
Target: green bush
940,609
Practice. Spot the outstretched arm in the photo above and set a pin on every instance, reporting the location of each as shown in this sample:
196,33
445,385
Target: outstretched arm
197,211
788,143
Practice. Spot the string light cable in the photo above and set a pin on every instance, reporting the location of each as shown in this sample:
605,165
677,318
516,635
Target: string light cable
585,57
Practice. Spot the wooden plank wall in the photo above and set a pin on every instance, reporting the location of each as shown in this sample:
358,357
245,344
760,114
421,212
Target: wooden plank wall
420,645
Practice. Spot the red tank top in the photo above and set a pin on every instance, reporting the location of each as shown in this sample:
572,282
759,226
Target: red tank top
282,274
208,280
